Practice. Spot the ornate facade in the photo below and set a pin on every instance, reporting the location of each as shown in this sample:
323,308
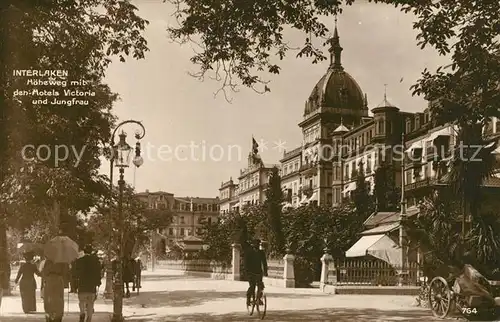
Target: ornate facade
340,140
189,214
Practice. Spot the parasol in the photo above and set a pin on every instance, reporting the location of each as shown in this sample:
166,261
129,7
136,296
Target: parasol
61,249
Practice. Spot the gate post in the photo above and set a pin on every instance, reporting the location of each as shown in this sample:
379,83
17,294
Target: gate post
236,262
288,271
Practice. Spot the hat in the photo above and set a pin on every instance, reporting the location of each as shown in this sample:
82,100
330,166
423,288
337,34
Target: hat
87,249
28,256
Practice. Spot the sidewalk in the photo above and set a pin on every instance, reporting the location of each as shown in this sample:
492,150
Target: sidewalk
167,296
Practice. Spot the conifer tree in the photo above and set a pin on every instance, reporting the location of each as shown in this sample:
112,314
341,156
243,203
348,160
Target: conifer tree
273,205
361,195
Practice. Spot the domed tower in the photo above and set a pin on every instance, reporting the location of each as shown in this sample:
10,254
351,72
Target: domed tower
335,99
336,95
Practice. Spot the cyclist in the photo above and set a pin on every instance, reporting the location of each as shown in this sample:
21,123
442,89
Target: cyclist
255,266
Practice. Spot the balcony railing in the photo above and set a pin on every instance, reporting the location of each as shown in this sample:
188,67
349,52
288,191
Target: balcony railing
420,184
309,168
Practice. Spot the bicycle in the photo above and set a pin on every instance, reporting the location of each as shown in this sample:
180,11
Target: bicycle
258,301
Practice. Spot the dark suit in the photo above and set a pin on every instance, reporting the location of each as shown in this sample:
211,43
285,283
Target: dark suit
256,266
88,274
88,278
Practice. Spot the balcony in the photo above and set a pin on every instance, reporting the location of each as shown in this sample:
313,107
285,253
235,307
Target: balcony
425,183
309,169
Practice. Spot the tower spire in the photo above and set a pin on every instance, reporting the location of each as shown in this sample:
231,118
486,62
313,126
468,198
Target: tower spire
385,92
335,49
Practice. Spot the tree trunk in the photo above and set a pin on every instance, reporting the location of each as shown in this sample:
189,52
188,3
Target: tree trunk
4,258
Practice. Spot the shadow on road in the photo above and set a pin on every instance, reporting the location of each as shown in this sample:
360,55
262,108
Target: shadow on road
156,278
186,298
338,315
40,316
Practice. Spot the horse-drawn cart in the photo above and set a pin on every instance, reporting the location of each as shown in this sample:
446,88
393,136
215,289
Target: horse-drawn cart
473,295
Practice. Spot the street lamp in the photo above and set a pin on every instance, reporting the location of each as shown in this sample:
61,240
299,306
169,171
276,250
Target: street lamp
121,156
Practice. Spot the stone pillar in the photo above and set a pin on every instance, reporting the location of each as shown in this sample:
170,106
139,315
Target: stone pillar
289,273
326,259
236,261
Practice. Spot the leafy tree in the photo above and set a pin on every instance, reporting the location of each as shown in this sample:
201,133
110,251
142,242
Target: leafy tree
306,229
309,229
273,204
80,37
240,41
437,233
138,221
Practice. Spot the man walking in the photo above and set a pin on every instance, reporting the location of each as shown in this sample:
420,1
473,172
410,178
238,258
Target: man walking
88,277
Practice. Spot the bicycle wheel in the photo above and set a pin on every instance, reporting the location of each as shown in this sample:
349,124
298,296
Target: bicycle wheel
251,307
261,304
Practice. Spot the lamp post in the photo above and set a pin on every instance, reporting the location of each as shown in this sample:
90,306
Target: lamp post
120,157
402,220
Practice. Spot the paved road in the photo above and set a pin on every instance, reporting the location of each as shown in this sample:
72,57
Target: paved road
169,297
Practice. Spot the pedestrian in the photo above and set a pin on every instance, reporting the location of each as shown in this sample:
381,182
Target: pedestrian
138,272
53,297
27,283
88,276
4,281
40,269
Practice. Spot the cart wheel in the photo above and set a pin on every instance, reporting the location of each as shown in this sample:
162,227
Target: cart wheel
440,297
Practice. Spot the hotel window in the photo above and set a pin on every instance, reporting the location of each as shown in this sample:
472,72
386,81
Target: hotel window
171,231
329,199
183,232
296,166
209,220
182,220
408,126
347,173
408,177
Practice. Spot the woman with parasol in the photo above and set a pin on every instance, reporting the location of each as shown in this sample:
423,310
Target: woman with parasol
27,284
59,252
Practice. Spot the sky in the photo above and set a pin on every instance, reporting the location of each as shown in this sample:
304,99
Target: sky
194,140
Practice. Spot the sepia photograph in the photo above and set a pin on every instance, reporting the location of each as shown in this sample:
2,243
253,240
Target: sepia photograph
245,160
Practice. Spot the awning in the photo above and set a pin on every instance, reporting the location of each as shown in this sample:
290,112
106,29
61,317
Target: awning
415,145
445,131
304,200
287,206
350,187
236,205
379,246
314,197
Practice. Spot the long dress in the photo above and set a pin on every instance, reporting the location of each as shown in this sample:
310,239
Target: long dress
27,286
54,290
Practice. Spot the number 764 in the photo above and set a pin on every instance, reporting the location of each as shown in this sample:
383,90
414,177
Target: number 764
468,310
